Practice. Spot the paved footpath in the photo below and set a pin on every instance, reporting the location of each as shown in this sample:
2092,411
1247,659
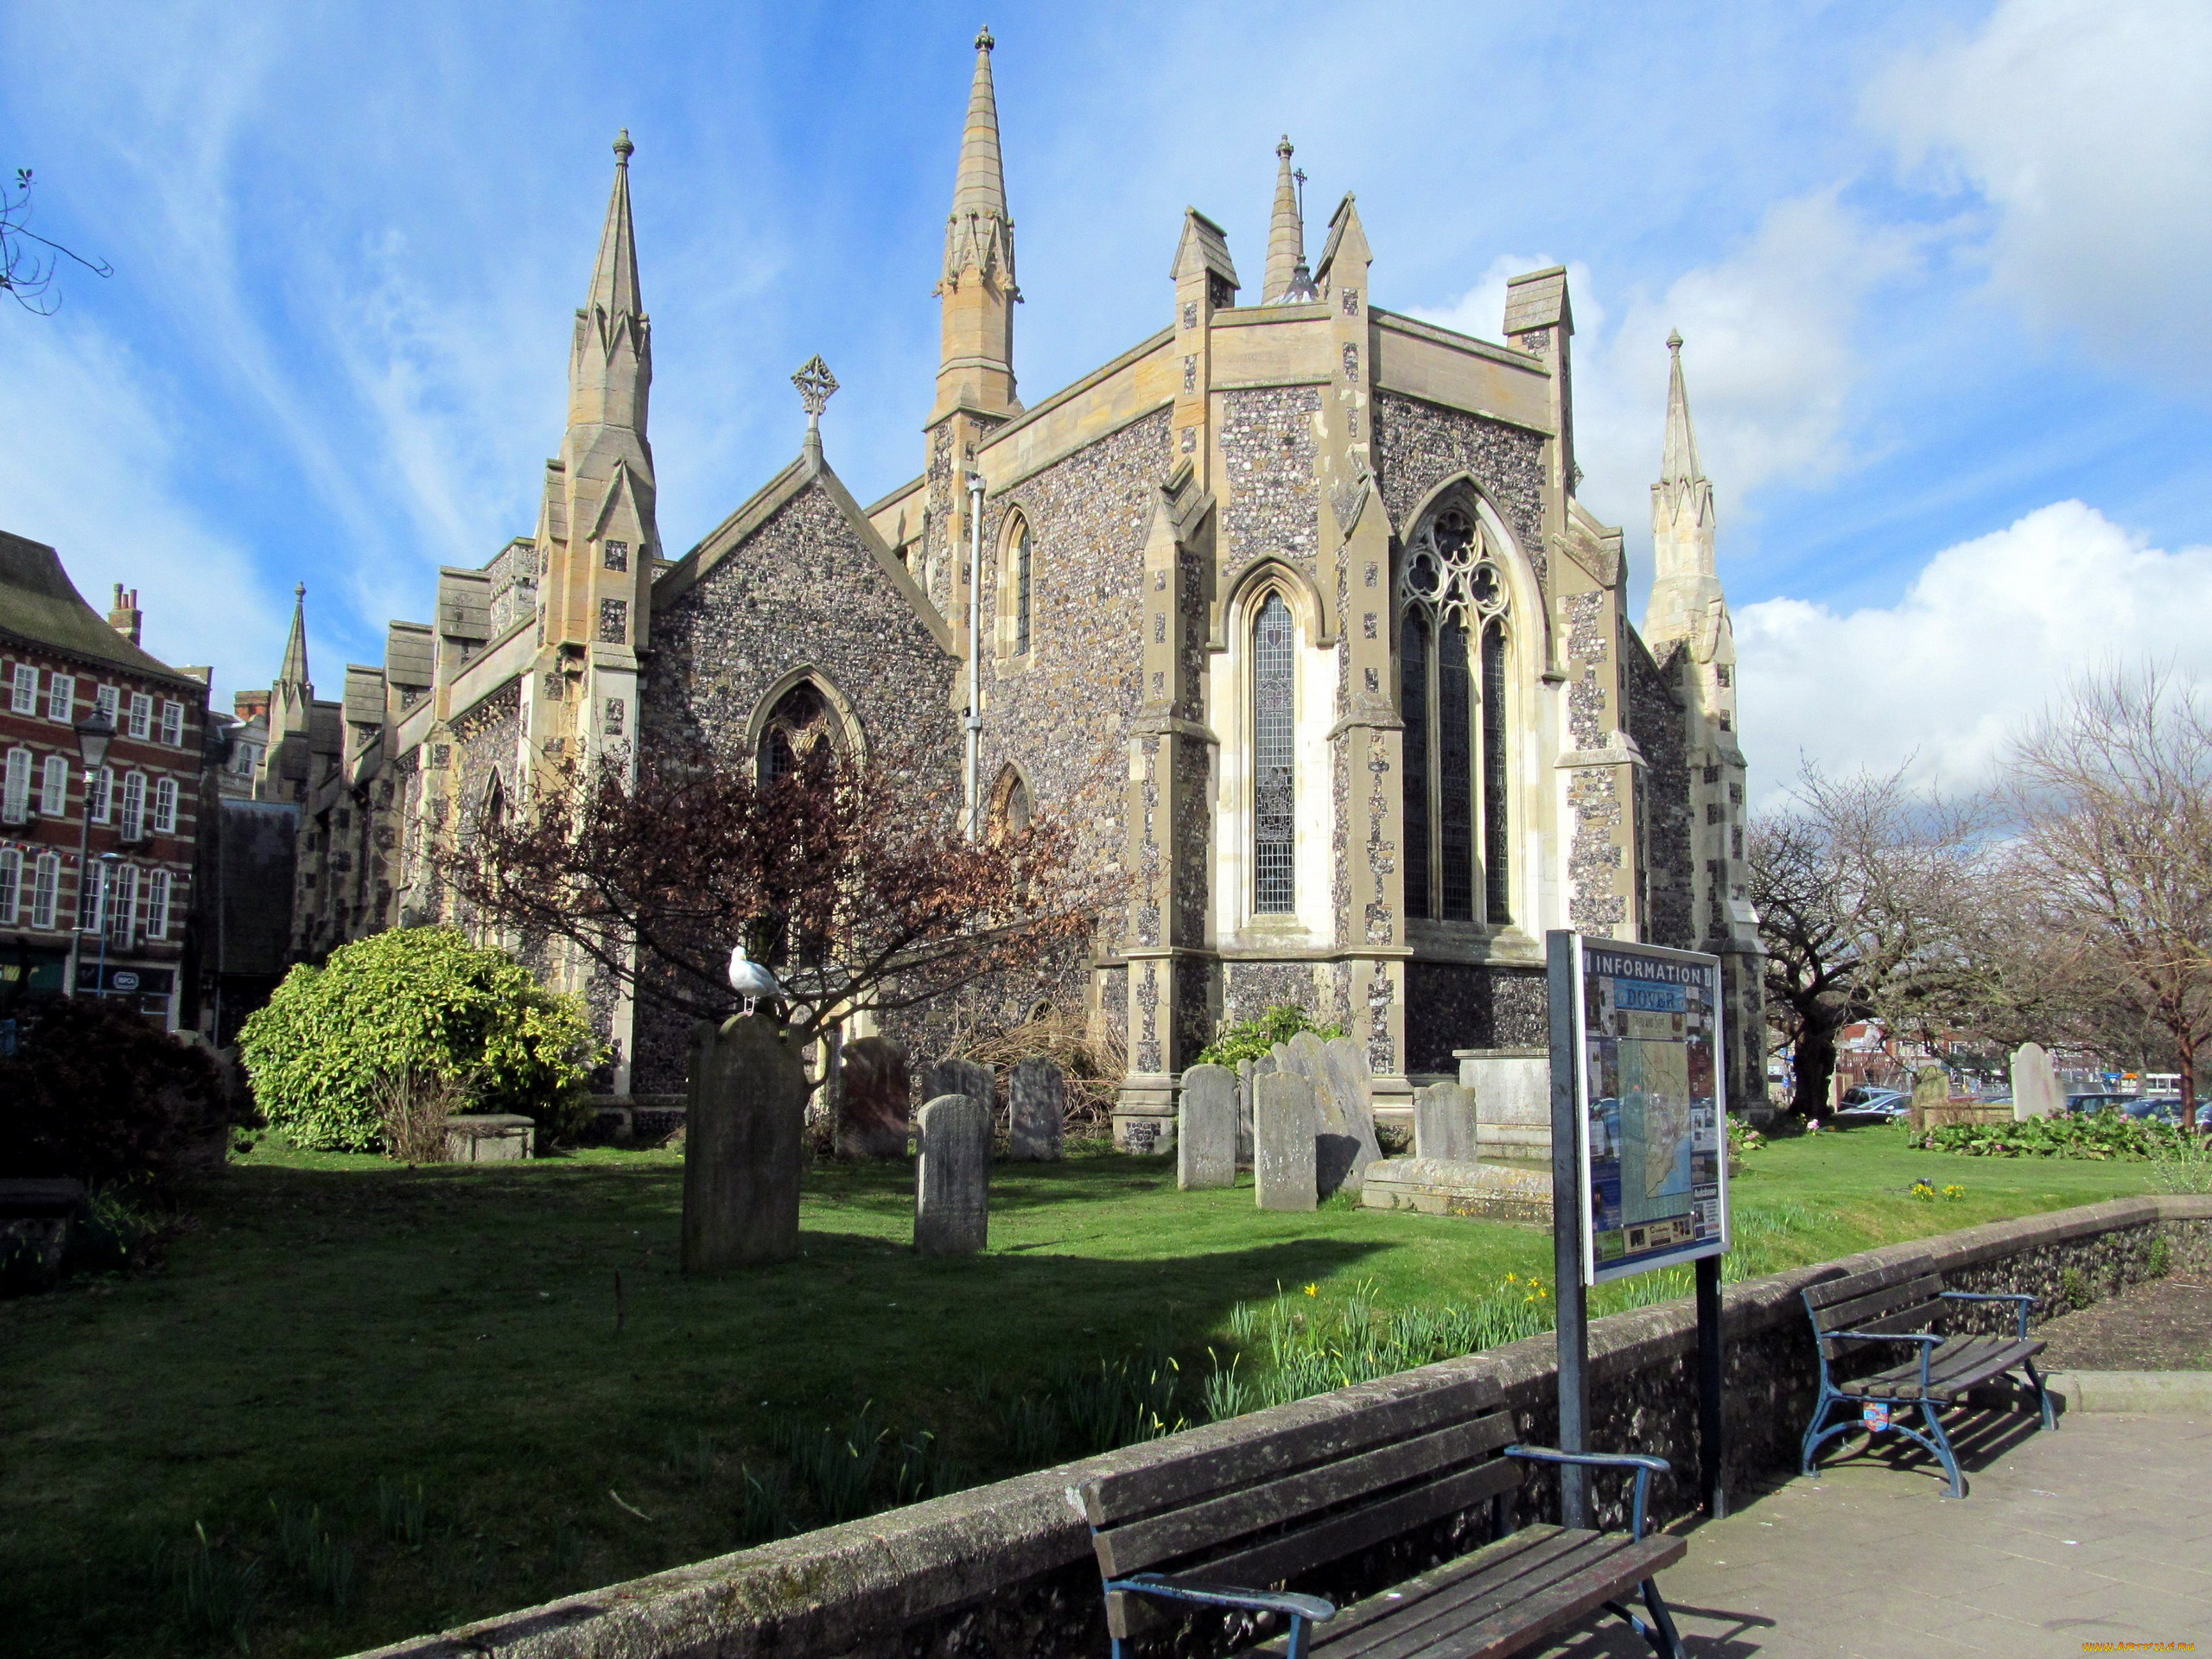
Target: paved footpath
2096,1539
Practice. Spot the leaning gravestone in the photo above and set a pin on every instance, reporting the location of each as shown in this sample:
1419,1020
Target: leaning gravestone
1338,1071
1246,1071
953,1177
2035,1092
1286,1126
745,1114
1444,1122
876,1098
1205,1129
1931,1092
1037,1109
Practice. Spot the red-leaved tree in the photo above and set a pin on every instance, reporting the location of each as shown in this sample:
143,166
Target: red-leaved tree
848,877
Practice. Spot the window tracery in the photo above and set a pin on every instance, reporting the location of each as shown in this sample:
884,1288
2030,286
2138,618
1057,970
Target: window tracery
799,720
1274,743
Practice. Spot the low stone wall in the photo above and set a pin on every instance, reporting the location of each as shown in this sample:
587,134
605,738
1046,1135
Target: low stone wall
1007,1569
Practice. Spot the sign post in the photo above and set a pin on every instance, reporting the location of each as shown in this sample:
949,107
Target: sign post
1639,1155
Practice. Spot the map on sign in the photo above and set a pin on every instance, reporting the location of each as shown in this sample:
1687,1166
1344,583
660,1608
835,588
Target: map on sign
1653,1144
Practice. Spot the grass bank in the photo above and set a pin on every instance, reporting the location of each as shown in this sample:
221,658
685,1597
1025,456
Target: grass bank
362,1401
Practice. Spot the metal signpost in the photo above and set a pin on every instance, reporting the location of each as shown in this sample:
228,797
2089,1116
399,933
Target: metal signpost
1639,1158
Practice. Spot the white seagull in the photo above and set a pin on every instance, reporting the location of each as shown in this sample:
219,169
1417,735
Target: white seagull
750,979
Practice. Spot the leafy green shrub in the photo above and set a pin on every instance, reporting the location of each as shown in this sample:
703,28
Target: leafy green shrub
415,999
2184,1166
2101,1136
95,1092
1250,1040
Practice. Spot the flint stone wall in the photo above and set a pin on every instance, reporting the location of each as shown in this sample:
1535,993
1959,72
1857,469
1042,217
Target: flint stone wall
1007,1569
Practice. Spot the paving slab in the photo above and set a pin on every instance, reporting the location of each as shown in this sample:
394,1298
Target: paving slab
2084,1540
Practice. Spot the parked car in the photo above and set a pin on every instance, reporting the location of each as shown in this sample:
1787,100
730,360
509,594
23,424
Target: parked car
2086,1103
2162,1108
1862,1106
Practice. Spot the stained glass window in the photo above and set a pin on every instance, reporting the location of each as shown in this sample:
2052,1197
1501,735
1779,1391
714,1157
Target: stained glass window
1412,697
1273,740
1496,836
1455,782
1021,591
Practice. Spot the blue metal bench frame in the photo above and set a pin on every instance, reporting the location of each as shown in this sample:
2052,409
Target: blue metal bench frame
1935,1440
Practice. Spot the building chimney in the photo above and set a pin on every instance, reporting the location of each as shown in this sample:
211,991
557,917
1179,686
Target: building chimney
125,616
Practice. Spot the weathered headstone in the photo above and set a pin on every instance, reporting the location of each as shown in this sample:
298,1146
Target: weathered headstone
1444,1122
2035,1092
1285,1125
965,1078
1931,1092
952,1176
1352,1086
1245,1075
745,1113
1205,1129
1338,1071
875,1101
1036,1110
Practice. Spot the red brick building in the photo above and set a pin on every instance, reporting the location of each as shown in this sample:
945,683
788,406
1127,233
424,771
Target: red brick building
60,659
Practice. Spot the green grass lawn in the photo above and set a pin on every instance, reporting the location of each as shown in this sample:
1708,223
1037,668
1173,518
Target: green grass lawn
433,1362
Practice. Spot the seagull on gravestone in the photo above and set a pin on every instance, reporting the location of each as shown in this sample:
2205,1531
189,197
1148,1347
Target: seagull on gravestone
750,979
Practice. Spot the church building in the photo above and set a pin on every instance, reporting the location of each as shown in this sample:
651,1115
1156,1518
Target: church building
1290,611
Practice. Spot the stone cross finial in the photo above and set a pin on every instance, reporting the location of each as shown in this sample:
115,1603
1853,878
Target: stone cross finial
624,149
816,387
983,41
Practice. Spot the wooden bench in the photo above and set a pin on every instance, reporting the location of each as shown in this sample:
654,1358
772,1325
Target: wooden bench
1906,1305
1216,1527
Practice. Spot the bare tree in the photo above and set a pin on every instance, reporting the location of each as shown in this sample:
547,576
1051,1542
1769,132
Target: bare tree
849,877
25,272
2113,792
1862,888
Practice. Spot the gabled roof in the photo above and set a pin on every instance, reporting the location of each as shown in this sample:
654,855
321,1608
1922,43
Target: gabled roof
735,530
41,606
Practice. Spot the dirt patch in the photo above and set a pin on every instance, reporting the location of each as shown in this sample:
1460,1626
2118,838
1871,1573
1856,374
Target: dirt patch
2163,1325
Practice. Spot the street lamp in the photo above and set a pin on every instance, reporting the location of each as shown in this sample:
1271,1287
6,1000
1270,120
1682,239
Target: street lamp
94,733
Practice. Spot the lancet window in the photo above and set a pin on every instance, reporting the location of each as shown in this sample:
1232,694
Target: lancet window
1273,746
1453,690
798,721
1021,588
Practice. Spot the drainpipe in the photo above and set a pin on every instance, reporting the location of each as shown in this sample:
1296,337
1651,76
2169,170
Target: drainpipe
974,653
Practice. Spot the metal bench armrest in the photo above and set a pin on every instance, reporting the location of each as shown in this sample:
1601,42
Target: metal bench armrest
1645,1467
1315,1609
2022,1297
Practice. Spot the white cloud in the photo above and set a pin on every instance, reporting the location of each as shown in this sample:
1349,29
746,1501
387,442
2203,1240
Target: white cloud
1771,354
1481,310
94,475
2087,126
1990,632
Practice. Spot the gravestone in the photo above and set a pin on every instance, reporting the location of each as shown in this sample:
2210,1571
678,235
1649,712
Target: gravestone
1286,1127
1205,1129
965,1078
1338,1071
1444,1122
1931,1091
952,1176
2035,1092
876,1098
1246,1071
1037,1110
744,1116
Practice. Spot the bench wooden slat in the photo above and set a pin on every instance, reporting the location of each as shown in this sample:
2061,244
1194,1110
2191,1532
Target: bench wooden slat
1832,1290
1123,1495
1335,1536
1854,1313
1496,1600
1140,1544
1952,1371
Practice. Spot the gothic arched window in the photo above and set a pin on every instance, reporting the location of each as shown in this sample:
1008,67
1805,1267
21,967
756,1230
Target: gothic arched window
1273,741
1010,803
1452,693
798,721
1021,552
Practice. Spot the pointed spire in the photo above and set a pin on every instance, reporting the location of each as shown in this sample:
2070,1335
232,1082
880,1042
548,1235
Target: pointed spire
295,671
980,234
1287,272
614,278
1680,463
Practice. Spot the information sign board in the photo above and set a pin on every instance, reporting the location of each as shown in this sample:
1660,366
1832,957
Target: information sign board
1651,1117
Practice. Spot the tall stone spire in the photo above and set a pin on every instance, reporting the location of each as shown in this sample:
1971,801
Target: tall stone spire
291,699
1285,274
611,367
978,291
1686,581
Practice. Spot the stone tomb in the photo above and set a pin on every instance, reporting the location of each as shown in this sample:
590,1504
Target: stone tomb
490,1138
875,1098
2036,1091
952,1176
1036,1110
1205,1129
1286,1128
743,1143
1444,1187
1444,1122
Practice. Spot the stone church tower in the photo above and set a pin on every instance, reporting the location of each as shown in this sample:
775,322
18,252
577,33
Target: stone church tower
1291,612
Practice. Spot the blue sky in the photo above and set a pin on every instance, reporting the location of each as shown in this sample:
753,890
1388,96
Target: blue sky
1940,268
